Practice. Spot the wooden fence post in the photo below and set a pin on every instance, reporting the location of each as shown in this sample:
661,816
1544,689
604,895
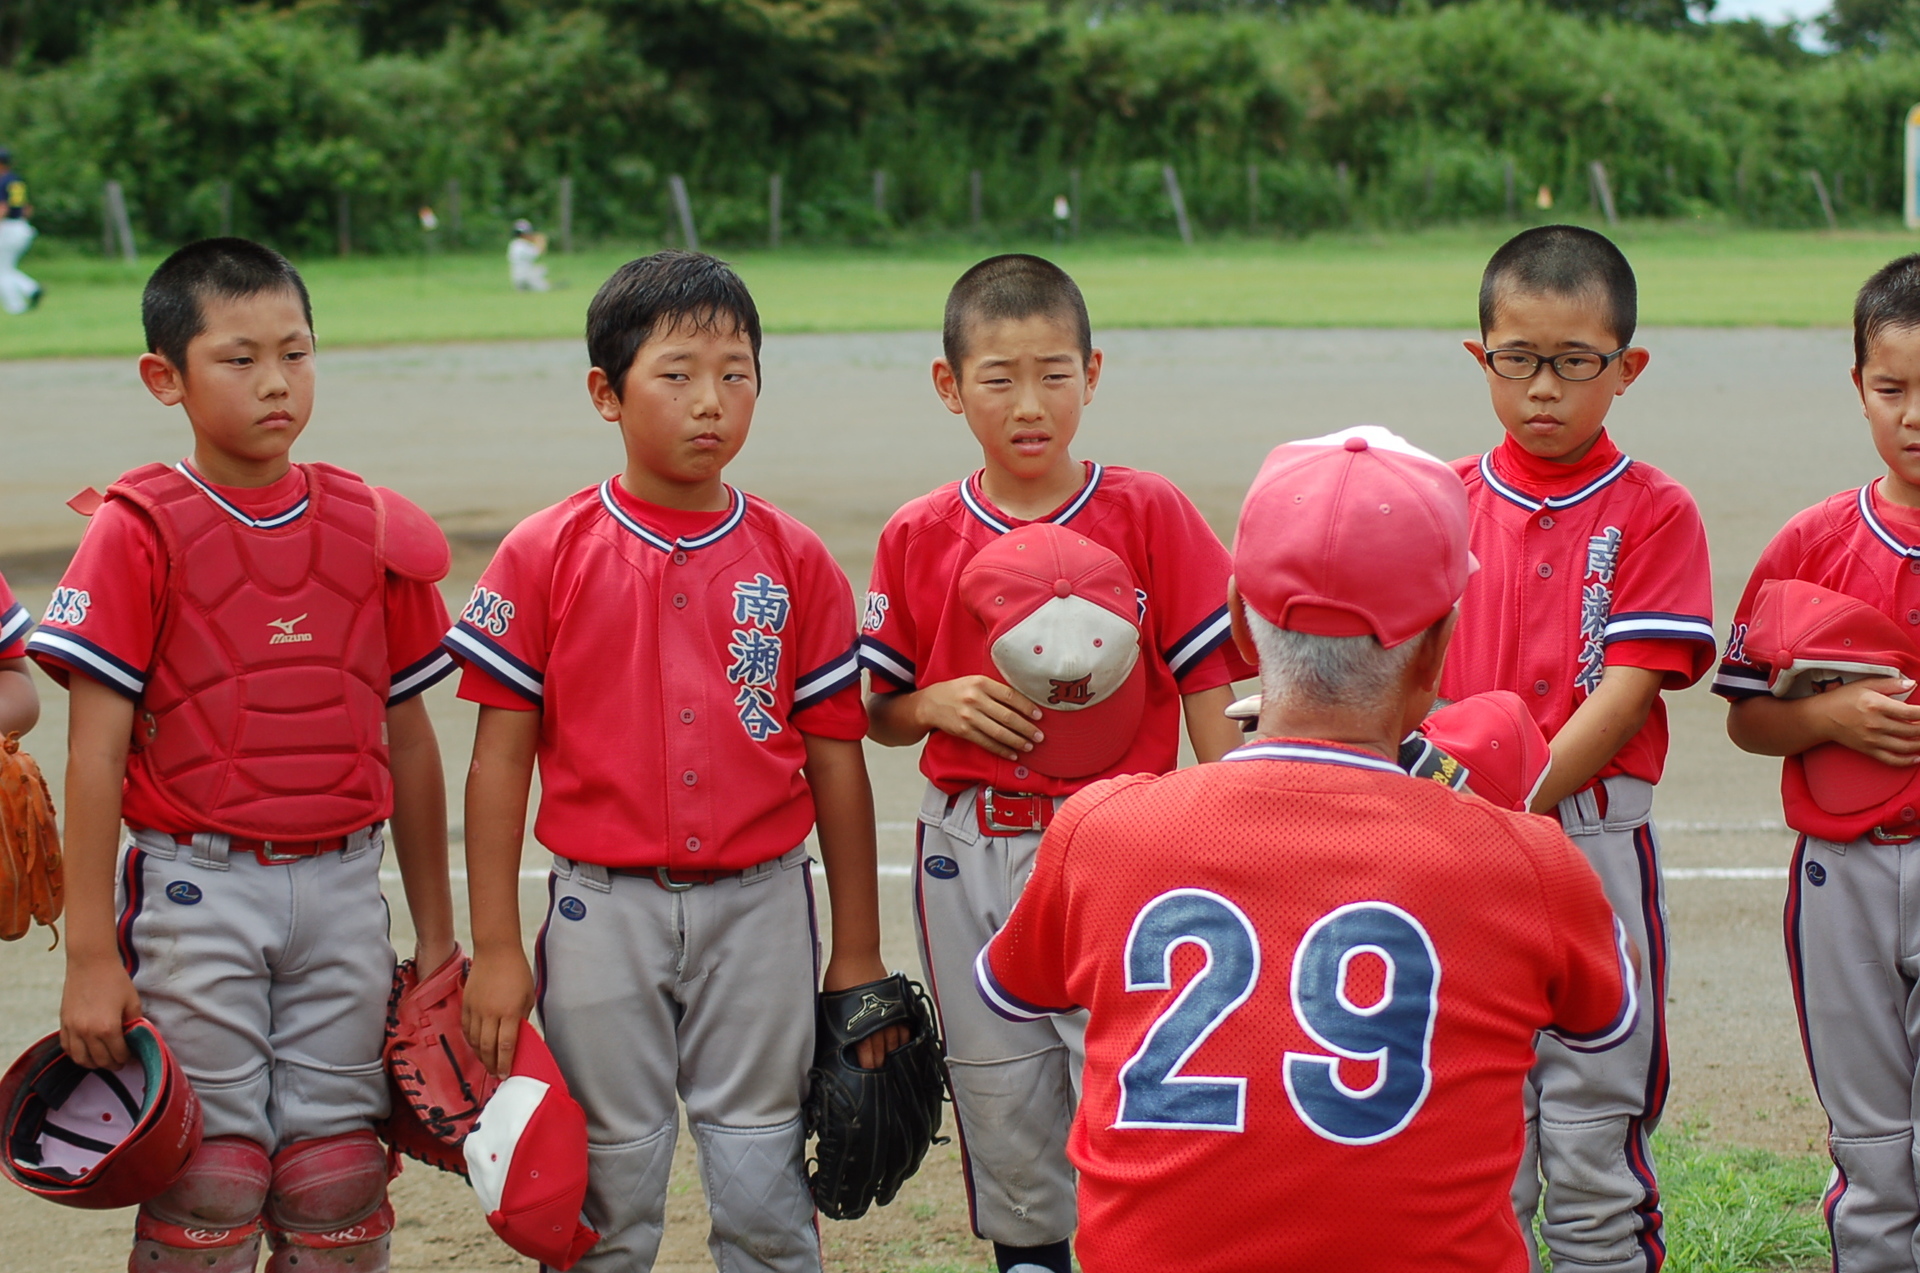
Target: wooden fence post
880,194
1253,197
1509,191
1826,201
118,224
973,198
684,207
1603,191
343,223
1073,198
453,209
773,210
1179,202
566,215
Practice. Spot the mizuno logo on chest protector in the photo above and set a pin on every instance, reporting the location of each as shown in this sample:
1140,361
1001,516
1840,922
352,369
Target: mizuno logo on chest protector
286,635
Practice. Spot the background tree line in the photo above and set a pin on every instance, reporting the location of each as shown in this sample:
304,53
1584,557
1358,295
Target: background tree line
1281,116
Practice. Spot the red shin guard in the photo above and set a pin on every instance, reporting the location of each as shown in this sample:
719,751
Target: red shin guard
209,1221
328,1210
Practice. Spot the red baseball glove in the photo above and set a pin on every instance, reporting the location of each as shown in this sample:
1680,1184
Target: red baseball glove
433,1074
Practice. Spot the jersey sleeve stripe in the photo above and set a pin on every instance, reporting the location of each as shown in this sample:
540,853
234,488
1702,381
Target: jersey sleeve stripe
84,656
418,677
14,621
1003,1002
469,644
887,661
1209,635
1622,1025
1737,680
818,686
1653,625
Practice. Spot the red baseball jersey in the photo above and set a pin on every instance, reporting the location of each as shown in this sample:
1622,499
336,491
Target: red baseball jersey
104,618
14,622
1583,567
676,660
1316,1040
917,631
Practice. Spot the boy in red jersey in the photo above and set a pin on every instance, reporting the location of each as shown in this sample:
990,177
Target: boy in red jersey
1304,1049
679,658
1020,365
19,701
245,641
1849,934
1593,597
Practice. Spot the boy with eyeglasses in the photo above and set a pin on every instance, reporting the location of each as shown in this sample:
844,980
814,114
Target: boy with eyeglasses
1593,596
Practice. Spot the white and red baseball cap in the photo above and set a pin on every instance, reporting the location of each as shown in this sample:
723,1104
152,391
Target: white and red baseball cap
1499,742
527,1158
1063,626
1359,533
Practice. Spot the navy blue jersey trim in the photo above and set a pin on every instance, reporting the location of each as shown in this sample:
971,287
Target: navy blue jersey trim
1314,755
1514,495
469,643
1203,639
727,525
419,676
13,621
83,655
1615,1032
878,656
1655,625
821,684
1737,680
1003,1001
232,510
979,509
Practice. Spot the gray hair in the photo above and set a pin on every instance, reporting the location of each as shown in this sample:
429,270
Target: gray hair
1326,671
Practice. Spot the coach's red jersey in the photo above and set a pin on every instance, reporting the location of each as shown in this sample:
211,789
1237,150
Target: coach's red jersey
676,660
1582,567
14,622
917,631
105,617
1854,543
1313,986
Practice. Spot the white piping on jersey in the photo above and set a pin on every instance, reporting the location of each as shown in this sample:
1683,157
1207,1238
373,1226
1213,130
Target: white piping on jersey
1879,528
999,1000
882,659
1629,1016
230,509
1628,627
836,676
89,658
1314,755
13,622
665,545
503,667
1752,683
1061,518
1532,505
426,672
1203,642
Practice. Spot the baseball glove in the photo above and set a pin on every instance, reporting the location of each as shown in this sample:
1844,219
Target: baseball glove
31,883
874,1126
434,1076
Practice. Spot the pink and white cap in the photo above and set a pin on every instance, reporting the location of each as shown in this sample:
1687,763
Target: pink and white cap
527,1158
1358,533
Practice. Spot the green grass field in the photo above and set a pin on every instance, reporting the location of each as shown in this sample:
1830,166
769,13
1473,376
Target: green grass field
1689,275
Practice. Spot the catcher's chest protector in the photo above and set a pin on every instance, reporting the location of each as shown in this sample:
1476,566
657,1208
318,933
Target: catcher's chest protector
265,710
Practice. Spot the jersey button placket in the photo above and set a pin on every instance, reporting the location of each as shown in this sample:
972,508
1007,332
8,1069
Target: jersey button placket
683,635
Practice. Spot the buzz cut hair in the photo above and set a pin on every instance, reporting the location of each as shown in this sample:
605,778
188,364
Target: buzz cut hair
173,307
1889,300
661,293
1563,260
1010,288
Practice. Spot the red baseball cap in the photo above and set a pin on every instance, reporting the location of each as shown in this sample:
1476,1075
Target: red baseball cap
1359,533
1813,639
1063,627
1497,739
527,1158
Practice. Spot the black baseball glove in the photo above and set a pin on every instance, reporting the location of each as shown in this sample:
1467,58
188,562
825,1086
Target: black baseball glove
874,1126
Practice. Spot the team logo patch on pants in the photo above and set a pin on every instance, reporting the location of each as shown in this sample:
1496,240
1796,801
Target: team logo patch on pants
942,868
183,892
572,908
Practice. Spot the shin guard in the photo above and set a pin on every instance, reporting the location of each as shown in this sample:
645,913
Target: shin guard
328,1210
209,1221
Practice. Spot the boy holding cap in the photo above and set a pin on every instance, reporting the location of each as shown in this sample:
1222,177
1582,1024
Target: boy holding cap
1028,682
1267,1045
1851,741
1594,597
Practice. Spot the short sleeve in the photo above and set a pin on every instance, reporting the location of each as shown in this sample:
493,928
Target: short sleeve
416,625
826,689
104,617
887,639
1662,603
14,622
1188,592
504,631
1593,993
1022,972
1739,676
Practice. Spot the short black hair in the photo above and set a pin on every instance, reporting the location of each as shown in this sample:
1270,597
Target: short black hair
1891,298
230,268
1563,260
1013,286
659,293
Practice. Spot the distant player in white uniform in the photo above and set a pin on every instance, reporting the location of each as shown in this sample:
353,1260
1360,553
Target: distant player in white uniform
18,292
523,259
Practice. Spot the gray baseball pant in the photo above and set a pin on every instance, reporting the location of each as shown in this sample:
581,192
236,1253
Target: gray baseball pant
268,982
1853,949
1590,1114
1015,1084
707,993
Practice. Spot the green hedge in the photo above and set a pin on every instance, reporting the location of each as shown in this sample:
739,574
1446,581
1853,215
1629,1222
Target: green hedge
1345,117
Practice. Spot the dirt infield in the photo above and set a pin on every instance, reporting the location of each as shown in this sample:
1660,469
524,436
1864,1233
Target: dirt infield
1758,423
